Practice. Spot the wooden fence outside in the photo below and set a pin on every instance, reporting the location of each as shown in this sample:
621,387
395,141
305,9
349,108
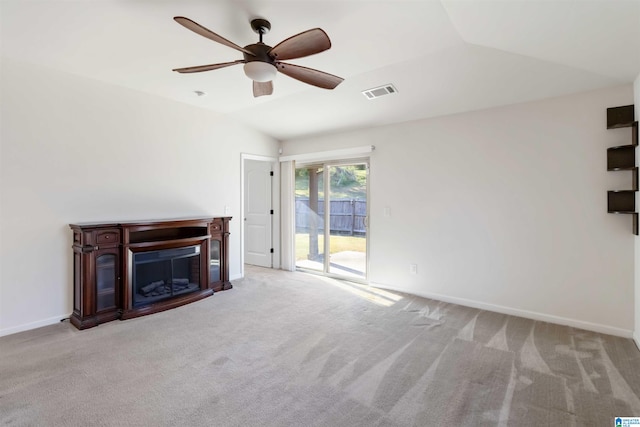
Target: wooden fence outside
346,216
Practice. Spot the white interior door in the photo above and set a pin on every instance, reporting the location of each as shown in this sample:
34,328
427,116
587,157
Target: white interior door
258,213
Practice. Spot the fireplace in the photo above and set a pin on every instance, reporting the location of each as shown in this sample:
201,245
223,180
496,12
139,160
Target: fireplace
130,269
165,273
165,266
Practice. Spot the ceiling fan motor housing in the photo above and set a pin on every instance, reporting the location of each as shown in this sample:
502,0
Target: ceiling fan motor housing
260,53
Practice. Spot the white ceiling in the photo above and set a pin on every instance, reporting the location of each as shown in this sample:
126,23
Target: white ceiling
444,56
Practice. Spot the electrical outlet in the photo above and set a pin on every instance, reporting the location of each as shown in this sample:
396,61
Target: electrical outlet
227,210
387,211
413,268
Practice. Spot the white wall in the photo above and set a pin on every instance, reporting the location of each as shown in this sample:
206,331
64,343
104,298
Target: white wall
76,150
636,97
504,209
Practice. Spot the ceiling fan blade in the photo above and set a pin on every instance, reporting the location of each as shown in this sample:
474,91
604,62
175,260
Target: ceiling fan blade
304,44
209,67
262,88
309,75
205,32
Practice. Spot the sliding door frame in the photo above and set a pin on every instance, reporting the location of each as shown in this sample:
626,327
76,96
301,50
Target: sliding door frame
326,165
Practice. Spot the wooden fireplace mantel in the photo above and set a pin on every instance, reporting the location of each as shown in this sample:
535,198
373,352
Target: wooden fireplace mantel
103,256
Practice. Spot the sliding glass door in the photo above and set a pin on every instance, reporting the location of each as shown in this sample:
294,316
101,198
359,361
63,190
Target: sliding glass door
310,217
331,219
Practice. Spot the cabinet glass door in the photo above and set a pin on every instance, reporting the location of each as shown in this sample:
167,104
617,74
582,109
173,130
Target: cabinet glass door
214,261
106,277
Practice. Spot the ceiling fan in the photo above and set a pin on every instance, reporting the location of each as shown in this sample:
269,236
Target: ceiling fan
262,62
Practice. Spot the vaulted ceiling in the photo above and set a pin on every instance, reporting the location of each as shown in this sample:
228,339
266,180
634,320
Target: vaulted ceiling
444,57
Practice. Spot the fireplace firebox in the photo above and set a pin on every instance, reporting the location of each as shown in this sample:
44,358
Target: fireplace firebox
130,269
165,273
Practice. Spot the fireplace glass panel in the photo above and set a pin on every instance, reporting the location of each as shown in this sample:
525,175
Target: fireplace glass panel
163,274
76,274
214,261
105,281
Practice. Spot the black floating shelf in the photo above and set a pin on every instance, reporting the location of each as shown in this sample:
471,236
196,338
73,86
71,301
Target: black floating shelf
620,117
621,125
621,158
623,202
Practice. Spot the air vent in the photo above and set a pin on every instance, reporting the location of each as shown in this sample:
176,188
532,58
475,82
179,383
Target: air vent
377,92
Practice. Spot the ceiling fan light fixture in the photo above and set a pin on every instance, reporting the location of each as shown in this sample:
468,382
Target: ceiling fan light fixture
259,71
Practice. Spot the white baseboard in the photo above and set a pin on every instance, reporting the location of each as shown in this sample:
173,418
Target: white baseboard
235,277
33,325
580,324
636,338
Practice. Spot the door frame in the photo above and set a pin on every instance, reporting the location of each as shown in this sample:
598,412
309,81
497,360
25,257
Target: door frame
275,203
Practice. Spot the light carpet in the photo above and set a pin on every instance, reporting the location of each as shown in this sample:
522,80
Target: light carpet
292,349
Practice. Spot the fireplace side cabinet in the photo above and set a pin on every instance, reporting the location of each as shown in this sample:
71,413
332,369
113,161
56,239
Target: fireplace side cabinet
97,275
102,267
218,258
